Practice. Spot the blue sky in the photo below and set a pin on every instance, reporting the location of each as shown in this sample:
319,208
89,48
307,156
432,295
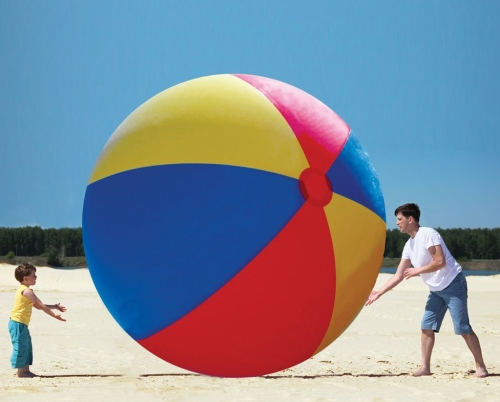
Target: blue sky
417,81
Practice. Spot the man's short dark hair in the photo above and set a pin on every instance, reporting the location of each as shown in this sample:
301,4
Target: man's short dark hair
408,210
24,270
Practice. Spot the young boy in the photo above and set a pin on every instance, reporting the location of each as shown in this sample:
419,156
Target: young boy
24,300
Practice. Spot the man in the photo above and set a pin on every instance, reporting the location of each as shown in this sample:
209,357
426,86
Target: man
426,251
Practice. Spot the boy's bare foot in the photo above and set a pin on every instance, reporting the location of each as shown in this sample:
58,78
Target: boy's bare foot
421,372
481,372
26,374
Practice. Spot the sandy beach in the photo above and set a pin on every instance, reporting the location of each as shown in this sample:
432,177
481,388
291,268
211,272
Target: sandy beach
90,358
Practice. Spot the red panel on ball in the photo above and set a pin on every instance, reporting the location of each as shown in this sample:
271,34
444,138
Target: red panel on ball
272,315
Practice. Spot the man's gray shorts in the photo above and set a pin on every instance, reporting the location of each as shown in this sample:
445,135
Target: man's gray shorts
453,298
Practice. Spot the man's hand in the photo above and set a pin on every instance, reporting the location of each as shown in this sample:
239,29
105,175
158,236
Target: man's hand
374,295
411,272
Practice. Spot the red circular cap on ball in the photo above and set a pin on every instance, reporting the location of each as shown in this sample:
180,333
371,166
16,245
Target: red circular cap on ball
315,187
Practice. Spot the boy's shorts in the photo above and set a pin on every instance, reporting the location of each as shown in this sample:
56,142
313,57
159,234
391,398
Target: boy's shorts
454,298
22,353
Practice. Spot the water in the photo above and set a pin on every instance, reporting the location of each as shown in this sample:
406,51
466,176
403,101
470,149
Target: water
383,270
467,272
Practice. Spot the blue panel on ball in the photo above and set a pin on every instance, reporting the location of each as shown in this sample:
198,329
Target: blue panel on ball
353,176
160,240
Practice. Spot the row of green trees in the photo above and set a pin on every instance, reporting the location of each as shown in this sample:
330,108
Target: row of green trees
464,244
34,241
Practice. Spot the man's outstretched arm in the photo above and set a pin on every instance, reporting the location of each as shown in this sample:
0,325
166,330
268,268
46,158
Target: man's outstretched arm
393,281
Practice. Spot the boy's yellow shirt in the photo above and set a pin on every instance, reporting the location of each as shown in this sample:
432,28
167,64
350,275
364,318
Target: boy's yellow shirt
22,307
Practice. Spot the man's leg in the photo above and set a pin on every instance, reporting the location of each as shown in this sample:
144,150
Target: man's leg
457,304
428,338
475,347
435,309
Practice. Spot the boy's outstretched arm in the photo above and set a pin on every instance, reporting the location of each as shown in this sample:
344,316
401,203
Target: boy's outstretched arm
56,307
393,281
37,303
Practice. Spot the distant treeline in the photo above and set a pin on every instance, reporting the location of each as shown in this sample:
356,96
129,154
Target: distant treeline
35,241
464,244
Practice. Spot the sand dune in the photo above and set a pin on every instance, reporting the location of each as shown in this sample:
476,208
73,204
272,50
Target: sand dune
90,358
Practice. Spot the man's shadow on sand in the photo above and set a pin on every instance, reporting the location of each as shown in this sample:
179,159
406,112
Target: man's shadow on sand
380,375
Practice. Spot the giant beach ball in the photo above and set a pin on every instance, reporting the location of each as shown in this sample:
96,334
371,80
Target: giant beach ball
233,225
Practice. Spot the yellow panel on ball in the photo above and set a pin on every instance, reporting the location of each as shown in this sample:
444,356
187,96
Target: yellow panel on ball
358,236
218,119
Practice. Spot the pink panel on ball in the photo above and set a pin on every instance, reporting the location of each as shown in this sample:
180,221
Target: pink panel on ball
320,131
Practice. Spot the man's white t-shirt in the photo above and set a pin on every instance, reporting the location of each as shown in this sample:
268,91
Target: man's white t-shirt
417,251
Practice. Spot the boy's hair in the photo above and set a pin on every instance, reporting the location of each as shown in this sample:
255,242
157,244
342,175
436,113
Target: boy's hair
408,210
24,270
